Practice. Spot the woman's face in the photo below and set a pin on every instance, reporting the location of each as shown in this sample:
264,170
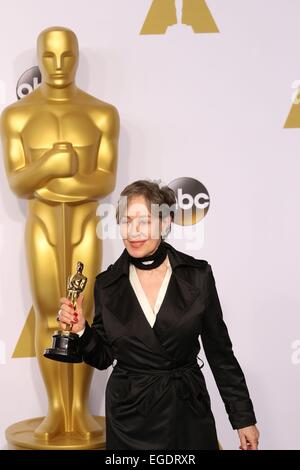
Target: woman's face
140,231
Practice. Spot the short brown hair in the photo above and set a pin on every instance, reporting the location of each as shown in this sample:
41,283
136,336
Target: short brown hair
162,196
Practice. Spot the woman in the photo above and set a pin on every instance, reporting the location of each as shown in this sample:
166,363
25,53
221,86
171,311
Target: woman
151,305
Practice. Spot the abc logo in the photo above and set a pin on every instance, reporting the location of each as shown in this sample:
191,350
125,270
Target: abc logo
28,81
192,200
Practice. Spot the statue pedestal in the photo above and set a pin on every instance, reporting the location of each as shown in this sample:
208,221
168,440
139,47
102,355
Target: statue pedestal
20,436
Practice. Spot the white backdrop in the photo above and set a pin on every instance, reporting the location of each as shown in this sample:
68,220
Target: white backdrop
209,106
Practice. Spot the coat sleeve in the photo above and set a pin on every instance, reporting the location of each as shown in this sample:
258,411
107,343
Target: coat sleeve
94,344
227,372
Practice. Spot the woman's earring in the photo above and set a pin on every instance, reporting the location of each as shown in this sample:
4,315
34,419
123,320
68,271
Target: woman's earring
166,232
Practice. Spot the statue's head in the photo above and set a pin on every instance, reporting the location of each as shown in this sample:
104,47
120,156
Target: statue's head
58,53
79,267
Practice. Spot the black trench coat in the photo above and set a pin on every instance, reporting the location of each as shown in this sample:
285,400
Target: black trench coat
156,396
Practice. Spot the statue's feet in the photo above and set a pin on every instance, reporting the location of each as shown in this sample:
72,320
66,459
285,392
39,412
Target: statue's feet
51,426
86,425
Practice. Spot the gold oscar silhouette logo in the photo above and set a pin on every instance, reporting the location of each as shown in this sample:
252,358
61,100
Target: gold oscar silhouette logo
293,119
165,13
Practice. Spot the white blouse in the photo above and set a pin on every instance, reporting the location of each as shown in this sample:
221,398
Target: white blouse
142,298
140,293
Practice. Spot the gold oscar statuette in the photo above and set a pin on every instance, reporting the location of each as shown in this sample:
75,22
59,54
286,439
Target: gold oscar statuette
65,343
60,150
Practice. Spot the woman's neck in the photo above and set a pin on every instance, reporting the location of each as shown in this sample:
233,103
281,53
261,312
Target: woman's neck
161,269
150,261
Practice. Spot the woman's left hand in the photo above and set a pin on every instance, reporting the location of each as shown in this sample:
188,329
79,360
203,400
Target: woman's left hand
249,438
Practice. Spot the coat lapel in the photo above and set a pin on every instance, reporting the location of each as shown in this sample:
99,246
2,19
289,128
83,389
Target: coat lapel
122,302
180,295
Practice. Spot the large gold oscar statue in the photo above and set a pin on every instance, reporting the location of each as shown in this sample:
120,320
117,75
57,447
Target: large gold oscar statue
60,148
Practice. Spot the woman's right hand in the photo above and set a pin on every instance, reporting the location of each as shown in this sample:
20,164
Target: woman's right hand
68,315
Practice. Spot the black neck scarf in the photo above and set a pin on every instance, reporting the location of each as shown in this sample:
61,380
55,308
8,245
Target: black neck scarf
151,261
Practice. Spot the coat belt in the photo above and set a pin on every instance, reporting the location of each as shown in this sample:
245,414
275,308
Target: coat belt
188,389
